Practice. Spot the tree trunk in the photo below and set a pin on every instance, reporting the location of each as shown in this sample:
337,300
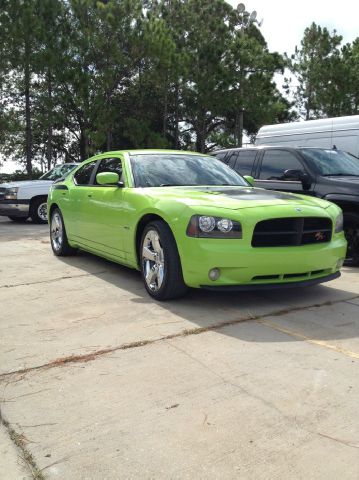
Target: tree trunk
109,139
165,111
83,144
28,128
176,117
49,120
201,138
240,131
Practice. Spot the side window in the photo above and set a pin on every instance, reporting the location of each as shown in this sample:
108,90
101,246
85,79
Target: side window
110,165
232,159
83,174
245,160
275,162
222,157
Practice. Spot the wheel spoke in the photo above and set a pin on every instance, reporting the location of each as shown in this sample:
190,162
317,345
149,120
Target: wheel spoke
151,276
160,275
153,261
149,254
156,244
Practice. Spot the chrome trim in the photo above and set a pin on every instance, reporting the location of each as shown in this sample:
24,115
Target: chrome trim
153,264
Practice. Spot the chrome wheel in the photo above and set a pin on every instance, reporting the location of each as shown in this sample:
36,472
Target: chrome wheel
56,231
153,263
42,211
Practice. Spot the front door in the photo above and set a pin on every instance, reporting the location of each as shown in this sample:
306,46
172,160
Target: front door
271,172
75,202
106,217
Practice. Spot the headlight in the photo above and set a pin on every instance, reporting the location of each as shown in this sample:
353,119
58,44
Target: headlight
205,226
11,193
339,223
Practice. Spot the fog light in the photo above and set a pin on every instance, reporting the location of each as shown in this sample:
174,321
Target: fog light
340,263
214,274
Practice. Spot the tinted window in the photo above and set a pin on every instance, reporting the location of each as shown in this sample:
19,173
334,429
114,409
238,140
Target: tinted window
276,162
170,169
110,165
221,156
83,175
245,160
232,159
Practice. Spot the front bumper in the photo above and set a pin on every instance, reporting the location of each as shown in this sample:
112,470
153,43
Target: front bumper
273,286
242,265
14,208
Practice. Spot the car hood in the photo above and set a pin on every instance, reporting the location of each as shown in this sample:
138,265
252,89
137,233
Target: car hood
234,198
345,181
27,183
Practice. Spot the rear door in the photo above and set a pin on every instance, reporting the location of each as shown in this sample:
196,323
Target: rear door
271,168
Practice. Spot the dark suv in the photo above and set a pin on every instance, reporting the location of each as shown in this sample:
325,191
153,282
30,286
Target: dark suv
329,174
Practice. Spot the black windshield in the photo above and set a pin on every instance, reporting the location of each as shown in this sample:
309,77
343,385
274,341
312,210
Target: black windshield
332,162
171,169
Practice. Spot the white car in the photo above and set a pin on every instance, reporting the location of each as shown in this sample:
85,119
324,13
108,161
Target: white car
21,200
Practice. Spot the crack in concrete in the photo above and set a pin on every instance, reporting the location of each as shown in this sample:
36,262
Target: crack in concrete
20,441
52,280
87,357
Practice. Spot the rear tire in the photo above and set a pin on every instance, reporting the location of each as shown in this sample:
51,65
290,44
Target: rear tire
58,237
18,219
160,262
38,210
351,230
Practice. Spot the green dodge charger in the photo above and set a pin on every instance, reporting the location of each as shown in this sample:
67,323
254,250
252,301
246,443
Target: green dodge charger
185,219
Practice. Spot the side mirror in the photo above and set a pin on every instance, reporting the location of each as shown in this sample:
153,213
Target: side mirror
249,179
300,176
108,178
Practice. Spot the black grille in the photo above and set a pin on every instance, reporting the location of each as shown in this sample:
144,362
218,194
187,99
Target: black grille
2,193
280,232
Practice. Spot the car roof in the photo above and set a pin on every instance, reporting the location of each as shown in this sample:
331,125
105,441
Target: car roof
261,147
149,151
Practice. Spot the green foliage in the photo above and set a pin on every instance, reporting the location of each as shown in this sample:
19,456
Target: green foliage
327,73
82,76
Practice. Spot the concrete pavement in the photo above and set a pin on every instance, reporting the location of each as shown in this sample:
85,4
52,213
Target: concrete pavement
104,383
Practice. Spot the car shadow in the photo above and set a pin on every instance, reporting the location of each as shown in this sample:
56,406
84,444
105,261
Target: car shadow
211,310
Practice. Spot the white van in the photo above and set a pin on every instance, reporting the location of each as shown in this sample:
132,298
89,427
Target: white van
343,132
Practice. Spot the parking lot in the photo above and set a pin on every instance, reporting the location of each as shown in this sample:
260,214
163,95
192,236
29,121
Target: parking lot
98,381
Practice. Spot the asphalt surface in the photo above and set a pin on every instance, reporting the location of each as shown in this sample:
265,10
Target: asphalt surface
98,381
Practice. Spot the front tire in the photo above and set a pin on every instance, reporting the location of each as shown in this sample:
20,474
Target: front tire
58,237
160,263
351,230
38,210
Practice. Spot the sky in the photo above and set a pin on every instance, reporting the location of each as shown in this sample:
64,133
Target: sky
284,22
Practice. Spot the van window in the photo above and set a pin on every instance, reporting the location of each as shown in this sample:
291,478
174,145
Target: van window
276,162
245,161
